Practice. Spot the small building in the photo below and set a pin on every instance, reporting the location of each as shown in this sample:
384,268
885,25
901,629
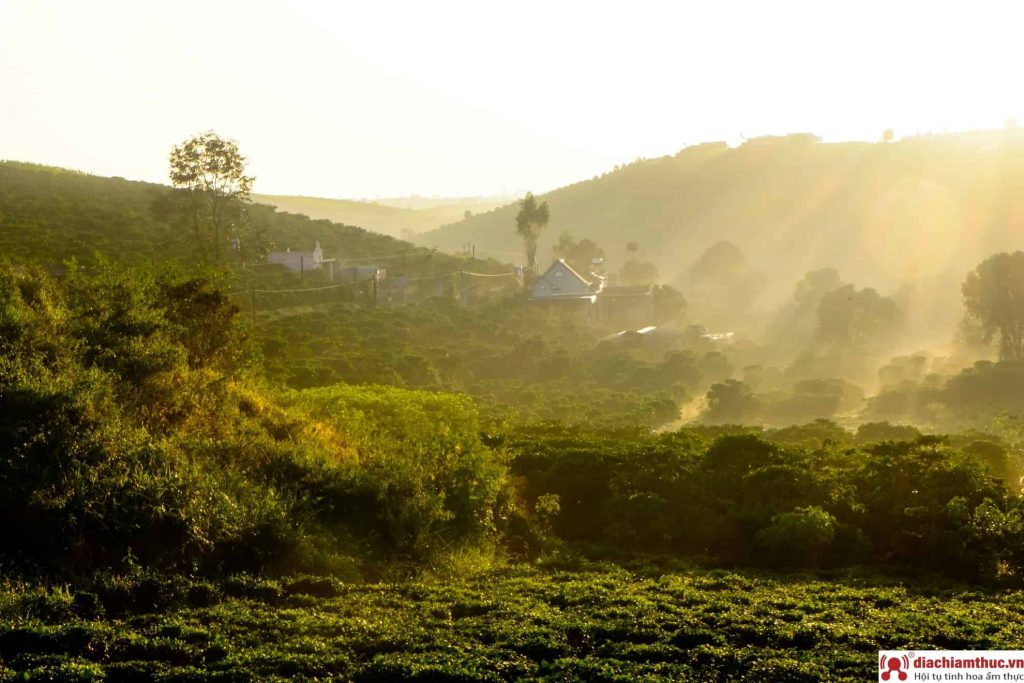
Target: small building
303,261
562,286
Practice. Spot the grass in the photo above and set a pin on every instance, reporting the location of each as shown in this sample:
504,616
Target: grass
601,622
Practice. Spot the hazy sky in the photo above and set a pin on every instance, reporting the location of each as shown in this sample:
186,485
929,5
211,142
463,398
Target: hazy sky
358,99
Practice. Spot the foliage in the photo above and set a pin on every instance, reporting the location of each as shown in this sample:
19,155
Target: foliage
635,272
520,362
724,284
669,305
849,318
530,222
994,296
872,211
50,215
135,429
798,538
580,255
214,195
794,497
573,621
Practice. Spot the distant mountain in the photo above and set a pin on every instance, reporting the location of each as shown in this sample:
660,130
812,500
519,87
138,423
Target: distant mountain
48,215
885,215
398,217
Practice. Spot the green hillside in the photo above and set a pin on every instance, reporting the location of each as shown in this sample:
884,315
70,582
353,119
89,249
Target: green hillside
48,215
397,217
882,214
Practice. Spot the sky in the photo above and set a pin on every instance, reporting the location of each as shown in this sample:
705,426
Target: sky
450,98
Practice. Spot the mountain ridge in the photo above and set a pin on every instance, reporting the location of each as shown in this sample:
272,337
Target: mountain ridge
882,213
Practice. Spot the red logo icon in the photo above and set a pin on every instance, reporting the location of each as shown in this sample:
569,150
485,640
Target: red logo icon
894,665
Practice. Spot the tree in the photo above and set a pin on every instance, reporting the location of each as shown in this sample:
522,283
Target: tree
732,401
635,272
213,194
669,304
851,318
994,297
580,255
799,537
530,221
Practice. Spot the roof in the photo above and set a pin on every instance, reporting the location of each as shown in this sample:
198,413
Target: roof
567,267
623,333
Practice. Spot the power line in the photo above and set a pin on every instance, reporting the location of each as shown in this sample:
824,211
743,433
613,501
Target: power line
310,289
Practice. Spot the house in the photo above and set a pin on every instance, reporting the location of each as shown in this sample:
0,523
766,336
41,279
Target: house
303,261
561,281
562,286
629,306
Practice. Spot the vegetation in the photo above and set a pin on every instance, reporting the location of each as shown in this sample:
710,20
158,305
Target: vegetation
994,296
582,255
214,195
473,487
797,497
396,217
49,215
530,222
520,363
559,621
917,213
136,430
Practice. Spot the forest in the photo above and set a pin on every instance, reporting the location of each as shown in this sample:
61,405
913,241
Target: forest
225,472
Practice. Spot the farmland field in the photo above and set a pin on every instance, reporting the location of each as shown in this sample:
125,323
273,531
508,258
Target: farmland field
598,622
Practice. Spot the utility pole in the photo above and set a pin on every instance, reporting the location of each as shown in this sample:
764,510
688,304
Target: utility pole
252,301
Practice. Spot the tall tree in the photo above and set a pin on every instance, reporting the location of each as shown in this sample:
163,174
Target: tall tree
530,221
214,194
856,319
994,297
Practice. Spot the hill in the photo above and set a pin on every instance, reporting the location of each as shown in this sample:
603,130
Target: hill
883,214
397,217
49,215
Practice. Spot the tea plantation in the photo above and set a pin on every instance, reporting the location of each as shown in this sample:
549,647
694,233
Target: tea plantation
595,622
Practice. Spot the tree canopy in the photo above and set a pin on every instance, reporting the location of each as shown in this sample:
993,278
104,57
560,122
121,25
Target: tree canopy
994,297
580,255
530,221
215,194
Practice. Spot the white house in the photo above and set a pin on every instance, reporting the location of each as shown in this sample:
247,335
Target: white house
561,281
563,286
302,261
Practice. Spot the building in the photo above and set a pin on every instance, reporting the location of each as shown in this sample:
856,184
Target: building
563,286
303,261
561,281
